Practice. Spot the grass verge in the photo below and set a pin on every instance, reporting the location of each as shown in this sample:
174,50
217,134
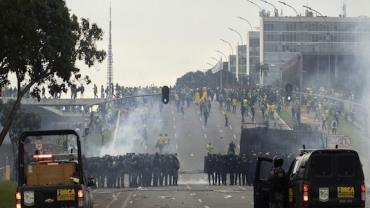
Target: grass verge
7,194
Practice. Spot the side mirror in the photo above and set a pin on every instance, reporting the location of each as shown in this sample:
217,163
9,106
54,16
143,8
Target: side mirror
91,182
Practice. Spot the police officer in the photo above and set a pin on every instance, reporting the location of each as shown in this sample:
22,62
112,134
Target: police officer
156,169
278,184
231,149
208,168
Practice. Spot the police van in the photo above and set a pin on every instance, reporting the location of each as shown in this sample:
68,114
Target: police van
317,178
50,171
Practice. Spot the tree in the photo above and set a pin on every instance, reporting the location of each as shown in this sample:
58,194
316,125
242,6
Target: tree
23,121
40,44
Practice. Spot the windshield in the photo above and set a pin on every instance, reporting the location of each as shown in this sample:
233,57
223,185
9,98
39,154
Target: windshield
50,160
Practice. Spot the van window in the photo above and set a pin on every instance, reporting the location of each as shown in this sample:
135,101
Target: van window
322,165
346,165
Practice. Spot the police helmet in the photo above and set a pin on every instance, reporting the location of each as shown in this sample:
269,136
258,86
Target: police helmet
278,162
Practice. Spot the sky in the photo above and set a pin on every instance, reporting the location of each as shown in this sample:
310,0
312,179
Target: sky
157,41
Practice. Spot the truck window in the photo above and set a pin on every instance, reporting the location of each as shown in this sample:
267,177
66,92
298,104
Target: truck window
346,165
321,165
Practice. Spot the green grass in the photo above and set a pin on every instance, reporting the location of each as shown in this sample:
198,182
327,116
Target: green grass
7,194
285,115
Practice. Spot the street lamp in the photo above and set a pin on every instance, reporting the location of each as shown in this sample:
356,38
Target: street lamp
276,11
288,5
214,58
231,47
220,52
259,7
249,23
221,81
238,33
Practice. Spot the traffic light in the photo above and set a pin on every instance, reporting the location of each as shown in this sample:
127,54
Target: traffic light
165,94
289,92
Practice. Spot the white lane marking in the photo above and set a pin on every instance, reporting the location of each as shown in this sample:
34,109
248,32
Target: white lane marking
205,206
203,127
127,200
200,200
175,135
205,136
114,198
193,194
174,126
234,136
231,128
220,130
177,147
227,196
188,187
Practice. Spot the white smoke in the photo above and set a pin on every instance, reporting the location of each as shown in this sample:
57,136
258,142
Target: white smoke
129,130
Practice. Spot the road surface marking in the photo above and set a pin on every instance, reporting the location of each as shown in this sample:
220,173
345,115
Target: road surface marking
200,200
188,187
205,136
203,127
114,198
174,126
177,147
175,135
230,127
227,196
127,200
234,136
205,206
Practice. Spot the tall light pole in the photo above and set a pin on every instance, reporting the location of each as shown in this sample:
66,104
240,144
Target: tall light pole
290,6
221,78
231,47
238,33
259,7
276,11
222,53
245,20
214,58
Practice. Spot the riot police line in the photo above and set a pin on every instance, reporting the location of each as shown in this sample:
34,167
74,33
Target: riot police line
232,169
220,167
134,170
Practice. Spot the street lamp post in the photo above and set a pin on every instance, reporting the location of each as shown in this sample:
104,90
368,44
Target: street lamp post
290,6
259,7
231,47
221,81
249,23
238,33
276,11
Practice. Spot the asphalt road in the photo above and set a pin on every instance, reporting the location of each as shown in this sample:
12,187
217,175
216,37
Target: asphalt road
183,196
189,137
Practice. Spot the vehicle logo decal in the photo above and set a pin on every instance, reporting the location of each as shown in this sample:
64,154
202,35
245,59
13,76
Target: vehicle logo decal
324,194
29,198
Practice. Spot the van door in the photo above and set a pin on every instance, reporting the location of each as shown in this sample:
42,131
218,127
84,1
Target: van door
262,186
